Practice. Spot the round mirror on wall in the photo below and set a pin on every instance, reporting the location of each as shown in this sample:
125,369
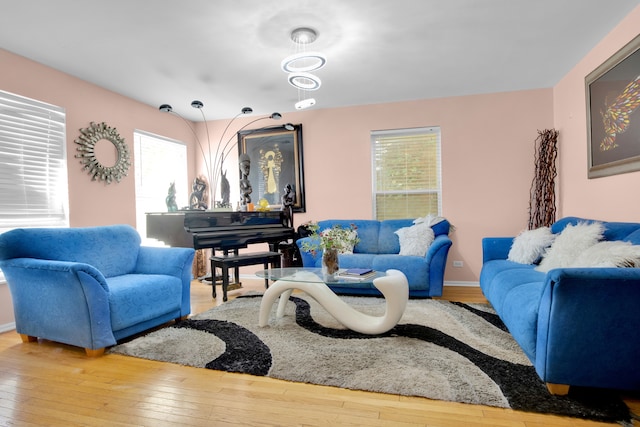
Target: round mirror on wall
103,153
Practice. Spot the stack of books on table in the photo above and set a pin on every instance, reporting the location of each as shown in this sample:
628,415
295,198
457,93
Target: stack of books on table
357,273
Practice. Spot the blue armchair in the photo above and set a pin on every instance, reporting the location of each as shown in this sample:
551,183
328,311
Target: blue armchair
89,287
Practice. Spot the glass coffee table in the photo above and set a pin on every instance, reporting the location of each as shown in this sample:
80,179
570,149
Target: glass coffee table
392,284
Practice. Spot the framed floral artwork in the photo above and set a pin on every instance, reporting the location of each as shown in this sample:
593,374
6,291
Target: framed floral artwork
613,113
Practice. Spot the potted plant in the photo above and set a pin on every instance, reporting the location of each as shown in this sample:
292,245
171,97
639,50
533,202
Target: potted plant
332,242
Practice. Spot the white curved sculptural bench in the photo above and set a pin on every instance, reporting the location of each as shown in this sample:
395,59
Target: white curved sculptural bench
393,286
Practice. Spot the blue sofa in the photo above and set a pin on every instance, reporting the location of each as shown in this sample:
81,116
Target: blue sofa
578,326
89,287
379,249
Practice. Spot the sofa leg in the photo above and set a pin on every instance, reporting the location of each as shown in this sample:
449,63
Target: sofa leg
183,318
28,338
558,389
94,353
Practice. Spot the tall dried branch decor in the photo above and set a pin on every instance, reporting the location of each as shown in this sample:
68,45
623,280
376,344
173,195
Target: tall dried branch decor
542,201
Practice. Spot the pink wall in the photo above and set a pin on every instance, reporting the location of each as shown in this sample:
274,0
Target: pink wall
487,157
487,153
608,198
90,202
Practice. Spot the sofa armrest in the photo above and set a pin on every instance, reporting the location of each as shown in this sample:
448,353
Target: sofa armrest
589,318
496,248
436,258
160,260
175,262
63,301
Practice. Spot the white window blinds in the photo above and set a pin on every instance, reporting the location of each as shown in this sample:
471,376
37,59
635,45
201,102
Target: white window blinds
406,173
33,172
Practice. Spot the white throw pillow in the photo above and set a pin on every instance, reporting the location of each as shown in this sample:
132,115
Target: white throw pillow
569,244
415,240
529,246
429,220
609,254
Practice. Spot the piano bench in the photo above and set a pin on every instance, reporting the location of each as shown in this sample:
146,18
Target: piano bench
240,260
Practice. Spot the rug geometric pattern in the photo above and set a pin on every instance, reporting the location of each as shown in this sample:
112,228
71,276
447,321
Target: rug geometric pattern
440,350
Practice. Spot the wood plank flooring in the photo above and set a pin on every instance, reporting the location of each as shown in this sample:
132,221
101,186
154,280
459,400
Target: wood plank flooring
46,383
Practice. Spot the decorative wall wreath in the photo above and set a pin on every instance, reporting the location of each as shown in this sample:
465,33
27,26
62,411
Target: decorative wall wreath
87,142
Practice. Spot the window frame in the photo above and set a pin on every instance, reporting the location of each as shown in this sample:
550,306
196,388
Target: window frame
406,132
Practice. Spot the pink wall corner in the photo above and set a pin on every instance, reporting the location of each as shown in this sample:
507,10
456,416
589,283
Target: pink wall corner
607,198
91,202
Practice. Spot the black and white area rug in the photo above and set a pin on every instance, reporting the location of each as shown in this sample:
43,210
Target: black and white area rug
439,350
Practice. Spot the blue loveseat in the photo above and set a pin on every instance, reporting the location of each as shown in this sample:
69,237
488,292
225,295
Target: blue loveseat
89,287
578,326
379,249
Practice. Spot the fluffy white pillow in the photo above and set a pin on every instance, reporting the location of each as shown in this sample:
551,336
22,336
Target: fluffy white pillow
429,220
415,240
569,244
529,245
609,254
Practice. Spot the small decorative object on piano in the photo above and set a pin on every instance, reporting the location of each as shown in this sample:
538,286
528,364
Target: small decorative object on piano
263,205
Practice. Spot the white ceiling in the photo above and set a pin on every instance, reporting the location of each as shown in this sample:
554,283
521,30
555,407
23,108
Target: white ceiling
227,53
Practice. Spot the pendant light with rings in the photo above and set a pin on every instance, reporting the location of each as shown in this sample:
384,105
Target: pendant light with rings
300,65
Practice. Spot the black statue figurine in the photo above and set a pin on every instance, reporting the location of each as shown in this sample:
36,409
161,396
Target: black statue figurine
288,200
197,199
172,206
245,184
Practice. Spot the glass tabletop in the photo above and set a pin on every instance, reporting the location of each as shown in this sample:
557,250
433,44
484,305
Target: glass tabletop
314,275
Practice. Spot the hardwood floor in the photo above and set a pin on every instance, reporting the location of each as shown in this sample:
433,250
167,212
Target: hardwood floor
47,383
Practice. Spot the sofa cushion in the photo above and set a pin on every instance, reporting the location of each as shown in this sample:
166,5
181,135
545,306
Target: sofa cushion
415,240
136,298
520,314
570,243
499,277
412,266
388,242
609,254
353,261
529,246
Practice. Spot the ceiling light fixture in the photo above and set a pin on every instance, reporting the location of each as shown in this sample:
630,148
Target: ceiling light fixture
301,63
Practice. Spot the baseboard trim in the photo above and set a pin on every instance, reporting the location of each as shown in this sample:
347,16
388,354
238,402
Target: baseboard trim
7,327
462,283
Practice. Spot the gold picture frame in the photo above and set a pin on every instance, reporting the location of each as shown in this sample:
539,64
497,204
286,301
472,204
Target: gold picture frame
613,113
276,160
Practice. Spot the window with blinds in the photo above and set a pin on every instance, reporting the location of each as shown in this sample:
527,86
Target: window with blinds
406,173
159,161
33,169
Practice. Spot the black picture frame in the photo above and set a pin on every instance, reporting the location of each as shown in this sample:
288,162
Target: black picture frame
276,160
614,89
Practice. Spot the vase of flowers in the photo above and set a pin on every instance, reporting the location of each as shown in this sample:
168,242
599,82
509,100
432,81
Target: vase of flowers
331,242
330,264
